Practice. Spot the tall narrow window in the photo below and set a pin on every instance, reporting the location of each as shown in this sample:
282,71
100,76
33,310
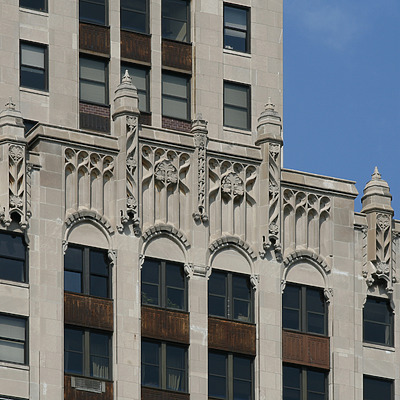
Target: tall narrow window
12,257
93,80
378,321
135,15
93,11
38,5
236,28
175,20
33,66
237,105
13,339
377,388
175,96
140,78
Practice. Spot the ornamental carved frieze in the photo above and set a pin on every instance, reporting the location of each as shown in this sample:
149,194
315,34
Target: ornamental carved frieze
166,173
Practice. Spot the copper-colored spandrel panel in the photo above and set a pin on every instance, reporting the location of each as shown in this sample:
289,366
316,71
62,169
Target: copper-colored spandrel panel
71,393
94,39
305,349
232,336
177,55
158,394
158,323
87,311
136,46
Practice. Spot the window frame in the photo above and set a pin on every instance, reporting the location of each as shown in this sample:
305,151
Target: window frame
106,82
248,108
87,21
229,377
86,353
303,310
172,96
12,340
246,31
146,69
304,380
25,270
377,378
390,325
162,285
86,273
45,69
162,365
229,297
147,18
44,9
188,25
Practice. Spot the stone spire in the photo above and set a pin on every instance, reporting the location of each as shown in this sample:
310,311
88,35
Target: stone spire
126,99
269,124
11,123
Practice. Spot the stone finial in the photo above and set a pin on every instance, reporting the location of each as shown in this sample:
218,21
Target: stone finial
199,123
10,105
126,78
376,176
269,124
126,99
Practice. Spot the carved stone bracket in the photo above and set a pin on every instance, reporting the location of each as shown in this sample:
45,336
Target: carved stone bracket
254,280
197,270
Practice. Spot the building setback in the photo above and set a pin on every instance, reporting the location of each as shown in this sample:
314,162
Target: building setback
152,246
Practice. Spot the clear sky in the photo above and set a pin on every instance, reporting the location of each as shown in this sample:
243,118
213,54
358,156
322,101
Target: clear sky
342,90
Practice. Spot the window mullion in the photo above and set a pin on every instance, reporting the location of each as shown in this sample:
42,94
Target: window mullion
303,309
229,296
86,271
163,367
163,289
229,378
86,353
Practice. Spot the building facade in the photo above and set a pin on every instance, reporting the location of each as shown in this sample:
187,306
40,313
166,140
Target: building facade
152,246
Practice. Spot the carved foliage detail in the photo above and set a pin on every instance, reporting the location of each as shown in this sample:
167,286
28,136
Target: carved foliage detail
200,141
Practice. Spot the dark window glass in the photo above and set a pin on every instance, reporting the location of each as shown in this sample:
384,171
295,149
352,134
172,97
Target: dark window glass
230,376
304,309
87,271
376,388
140,78
236,35
175,96
28,124
33,66
175,20
93,80
87,353
12,257
134,15
378,321
230,296
164,365
38,5
12,339
163,285
93,11
236,105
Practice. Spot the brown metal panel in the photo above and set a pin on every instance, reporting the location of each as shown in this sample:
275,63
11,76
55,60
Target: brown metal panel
136,46
94,39
232,336
305,349
74,394
89,312
158,394
177,55
164,324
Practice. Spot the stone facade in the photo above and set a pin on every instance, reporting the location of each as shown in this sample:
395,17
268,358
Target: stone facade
197,193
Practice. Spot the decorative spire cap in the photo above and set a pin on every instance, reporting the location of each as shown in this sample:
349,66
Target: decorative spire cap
10,105
126,78
199,123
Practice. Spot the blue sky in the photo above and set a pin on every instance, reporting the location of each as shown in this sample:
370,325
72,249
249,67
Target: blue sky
342,90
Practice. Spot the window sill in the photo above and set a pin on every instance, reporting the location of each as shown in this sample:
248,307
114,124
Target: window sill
36,12
237,130
7,364
389,349
14,283
237,53
34,91
87,377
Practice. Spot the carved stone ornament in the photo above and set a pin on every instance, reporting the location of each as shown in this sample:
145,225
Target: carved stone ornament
254,281
232,184
383,221
166,173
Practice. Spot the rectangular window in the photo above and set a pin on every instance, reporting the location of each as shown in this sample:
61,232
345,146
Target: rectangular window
175,20
230,376
13,339
135,15
175,96
87,353
12,257
236,28
301,383
304,309
230,296
93,11
377,388
33,66
378,321
87,271
164,366
237,105
38,5
164,285
140,78
93,80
